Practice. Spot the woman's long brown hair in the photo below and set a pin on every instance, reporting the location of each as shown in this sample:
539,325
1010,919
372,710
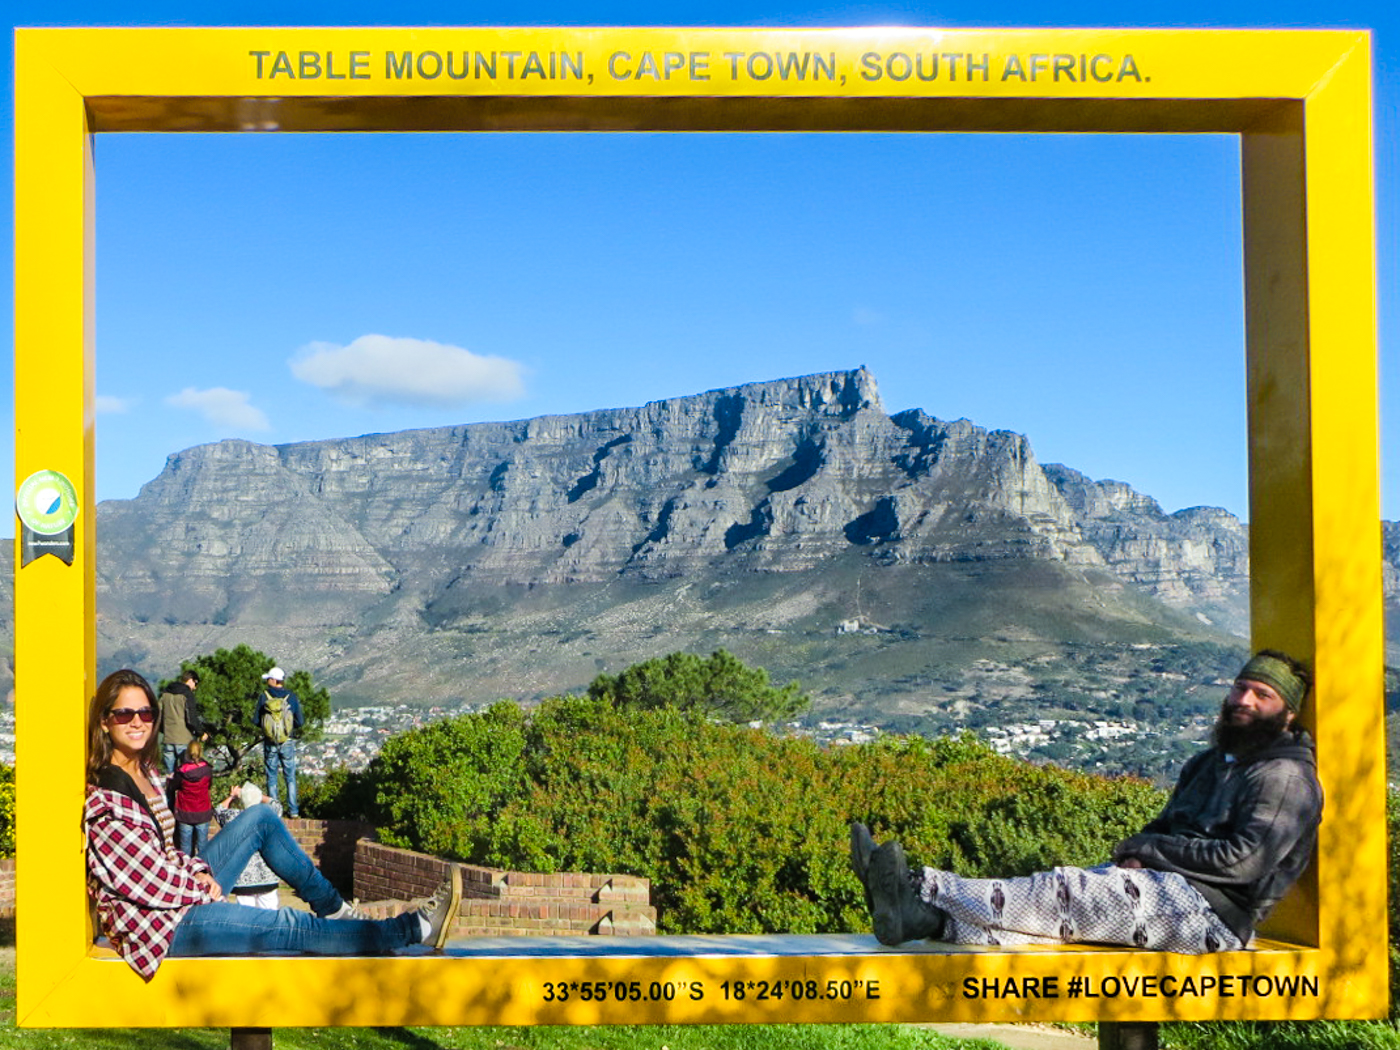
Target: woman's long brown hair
99,745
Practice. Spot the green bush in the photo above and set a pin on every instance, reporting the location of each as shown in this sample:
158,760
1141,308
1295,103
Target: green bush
738,829
337,794
438,788
7,811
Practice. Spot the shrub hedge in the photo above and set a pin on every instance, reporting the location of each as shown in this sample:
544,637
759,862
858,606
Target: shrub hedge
740,830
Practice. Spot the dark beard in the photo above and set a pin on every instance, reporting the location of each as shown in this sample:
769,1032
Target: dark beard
1252,736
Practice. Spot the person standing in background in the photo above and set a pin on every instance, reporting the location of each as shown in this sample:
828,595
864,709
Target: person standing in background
180,722
279,717
193,810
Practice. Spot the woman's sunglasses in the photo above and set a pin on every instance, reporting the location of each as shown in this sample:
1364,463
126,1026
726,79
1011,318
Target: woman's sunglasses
123,715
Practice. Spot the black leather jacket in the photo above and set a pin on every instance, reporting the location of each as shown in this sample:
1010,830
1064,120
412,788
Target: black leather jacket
1240,830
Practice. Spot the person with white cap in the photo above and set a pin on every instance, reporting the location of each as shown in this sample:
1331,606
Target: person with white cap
279,717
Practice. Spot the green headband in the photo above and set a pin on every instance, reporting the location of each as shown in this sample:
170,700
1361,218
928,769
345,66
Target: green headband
1277,675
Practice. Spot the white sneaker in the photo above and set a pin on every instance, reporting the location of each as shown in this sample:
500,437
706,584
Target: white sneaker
348,910
437,912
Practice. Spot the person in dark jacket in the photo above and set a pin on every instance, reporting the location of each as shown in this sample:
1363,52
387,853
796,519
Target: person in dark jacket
1237,832
179,721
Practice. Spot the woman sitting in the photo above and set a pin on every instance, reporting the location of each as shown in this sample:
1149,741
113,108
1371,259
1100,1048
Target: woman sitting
154,901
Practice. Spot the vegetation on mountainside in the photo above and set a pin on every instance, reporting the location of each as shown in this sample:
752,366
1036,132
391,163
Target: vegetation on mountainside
230,683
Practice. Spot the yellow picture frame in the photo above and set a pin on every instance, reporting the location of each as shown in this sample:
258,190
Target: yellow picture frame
1300,102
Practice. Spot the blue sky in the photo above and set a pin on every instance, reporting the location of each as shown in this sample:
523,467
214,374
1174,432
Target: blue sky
1084,290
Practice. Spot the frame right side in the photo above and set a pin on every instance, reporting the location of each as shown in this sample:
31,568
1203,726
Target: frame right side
1315,586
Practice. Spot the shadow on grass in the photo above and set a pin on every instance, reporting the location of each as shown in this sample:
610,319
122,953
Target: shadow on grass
407,1037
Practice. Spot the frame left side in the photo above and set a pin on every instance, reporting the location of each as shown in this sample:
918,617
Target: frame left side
54,308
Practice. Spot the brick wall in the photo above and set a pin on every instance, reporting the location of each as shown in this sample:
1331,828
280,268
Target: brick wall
494,903
507,903
331,844
7,887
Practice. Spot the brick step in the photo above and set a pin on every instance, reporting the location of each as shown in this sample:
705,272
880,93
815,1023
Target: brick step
607,926
500,903
483,918
493,884
499,918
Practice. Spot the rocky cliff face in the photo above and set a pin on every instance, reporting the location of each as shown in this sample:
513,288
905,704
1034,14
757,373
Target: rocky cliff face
404,534
773,476
1390,559
1199,555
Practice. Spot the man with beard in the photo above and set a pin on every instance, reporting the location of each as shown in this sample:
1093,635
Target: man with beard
1237,832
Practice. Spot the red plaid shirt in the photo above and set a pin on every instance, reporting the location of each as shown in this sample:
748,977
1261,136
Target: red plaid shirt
141,887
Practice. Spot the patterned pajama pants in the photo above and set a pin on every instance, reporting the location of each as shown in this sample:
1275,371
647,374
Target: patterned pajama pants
1137,907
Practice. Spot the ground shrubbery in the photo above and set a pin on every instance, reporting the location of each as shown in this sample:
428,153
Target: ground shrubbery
7,810
740,830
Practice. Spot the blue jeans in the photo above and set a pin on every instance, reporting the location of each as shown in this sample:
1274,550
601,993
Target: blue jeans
260,830
283,756
170,754
192,838
225,928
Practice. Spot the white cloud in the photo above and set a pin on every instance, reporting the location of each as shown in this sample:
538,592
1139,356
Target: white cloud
104,404
222,407
381,369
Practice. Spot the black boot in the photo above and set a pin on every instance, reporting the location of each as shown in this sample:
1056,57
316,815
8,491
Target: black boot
862,846
900,914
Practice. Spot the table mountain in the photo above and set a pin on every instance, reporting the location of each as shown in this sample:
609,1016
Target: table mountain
794,522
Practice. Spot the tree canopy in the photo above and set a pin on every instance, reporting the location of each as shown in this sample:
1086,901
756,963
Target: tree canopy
721,686
230,683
